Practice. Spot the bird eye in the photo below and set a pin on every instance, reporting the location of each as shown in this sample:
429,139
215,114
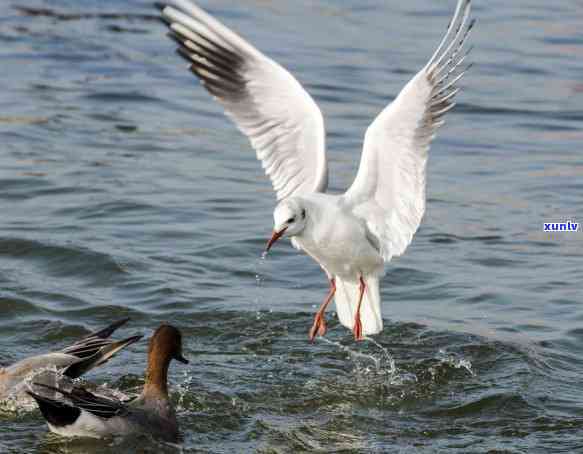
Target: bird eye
303,214
290,220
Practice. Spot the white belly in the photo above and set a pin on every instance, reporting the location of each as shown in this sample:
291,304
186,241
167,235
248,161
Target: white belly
342,249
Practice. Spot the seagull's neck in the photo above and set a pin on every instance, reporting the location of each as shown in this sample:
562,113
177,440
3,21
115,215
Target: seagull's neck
318,207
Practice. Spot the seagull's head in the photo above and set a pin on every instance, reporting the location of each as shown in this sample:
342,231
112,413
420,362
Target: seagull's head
289,220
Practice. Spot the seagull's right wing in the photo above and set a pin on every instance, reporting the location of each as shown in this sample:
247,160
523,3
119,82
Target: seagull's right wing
266,102
388,193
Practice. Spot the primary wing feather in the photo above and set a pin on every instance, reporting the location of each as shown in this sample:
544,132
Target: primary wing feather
91,344
282,121
81,398
389,190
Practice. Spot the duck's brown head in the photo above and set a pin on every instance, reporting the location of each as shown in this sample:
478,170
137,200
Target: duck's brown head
165,345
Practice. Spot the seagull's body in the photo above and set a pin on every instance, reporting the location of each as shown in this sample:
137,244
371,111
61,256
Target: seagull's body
340,242
350,235
341,246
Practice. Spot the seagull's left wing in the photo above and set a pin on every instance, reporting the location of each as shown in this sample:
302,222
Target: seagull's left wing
282,121
389,190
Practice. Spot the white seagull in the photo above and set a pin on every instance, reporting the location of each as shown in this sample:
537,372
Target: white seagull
350,235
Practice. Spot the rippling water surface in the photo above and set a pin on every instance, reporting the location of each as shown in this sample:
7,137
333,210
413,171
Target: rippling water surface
125,192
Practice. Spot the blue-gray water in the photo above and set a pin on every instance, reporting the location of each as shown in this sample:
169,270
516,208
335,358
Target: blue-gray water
124,191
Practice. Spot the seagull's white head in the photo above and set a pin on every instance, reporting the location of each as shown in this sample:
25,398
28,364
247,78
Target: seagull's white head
289,220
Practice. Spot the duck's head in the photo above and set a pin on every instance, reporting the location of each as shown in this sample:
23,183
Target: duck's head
166,345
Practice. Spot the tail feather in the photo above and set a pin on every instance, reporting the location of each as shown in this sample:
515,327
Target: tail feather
346,299
56,413
109,330
103,355
89,345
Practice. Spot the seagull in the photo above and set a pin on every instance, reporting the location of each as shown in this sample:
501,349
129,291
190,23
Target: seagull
350,235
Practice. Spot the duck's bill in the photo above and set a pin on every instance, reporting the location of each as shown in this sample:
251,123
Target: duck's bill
181,358
276,236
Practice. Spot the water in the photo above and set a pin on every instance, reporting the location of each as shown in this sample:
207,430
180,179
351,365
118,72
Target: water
125,192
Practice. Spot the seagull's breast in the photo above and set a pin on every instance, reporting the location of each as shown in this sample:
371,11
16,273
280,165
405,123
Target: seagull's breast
338,242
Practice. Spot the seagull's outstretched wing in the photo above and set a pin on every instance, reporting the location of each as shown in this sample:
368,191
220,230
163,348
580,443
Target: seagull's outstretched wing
389,190
266,102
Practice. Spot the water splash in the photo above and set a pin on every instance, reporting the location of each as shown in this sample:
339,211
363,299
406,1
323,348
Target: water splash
382,365
259,280
17,405
386,355
183,390
456,361
17,401
106,390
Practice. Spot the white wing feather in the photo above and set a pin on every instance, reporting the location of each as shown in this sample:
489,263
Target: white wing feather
389,190
282,121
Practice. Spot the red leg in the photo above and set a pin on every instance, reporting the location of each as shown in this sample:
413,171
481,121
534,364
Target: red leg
319,326
357,330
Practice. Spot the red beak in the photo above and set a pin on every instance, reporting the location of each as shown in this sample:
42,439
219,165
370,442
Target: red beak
276,236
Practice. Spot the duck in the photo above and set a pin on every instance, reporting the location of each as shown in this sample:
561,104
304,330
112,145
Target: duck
73,361
77,412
